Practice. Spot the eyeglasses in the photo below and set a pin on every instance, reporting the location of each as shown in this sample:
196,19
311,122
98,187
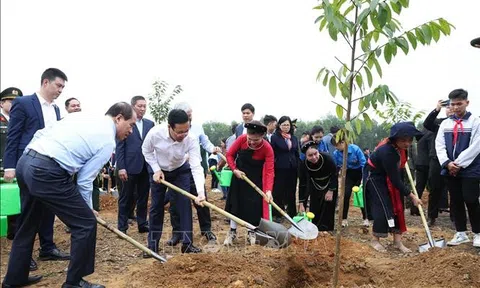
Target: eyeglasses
285,125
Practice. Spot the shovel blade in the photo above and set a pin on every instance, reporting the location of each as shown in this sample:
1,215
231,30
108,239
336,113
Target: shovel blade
309,230
280,237
439,243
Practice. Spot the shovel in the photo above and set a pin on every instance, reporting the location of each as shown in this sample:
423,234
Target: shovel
263,231
274,205
131,240
440,243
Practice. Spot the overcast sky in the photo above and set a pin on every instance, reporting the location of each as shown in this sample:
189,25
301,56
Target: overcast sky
224,53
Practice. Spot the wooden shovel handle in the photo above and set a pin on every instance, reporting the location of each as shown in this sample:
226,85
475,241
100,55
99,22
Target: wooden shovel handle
209,205
130,239
420,209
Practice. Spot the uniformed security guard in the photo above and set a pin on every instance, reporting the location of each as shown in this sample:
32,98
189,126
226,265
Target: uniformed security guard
6,98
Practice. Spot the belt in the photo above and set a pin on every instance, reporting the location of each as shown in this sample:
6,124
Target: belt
35,154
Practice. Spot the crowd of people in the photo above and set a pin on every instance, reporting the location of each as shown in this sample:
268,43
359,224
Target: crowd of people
56,163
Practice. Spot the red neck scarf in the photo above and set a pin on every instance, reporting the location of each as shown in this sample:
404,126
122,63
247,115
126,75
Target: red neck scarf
458,124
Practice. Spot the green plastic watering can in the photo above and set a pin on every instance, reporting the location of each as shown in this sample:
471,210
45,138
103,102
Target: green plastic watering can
224,176
358,196
307,216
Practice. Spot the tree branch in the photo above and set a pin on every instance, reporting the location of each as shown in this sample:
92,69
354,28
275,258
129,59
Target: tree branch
339,105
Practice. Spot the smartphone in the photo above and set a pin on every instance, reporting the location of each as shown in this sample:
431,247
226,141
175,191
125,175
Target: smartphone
445,103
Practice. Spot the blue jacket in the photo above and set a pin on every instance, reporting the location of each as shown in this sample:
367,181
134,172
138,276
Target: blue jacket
128,152
239,130
355,159
465,152
284,158
26,118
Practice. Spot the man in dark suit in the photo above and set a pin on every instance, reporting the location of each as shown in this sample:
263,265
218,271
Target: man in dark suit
28,115
248,111
133,169
6,98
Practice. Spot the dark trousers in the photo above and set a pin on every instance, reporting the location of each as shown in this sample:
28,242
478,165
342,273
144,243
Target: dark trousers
50,188
353,178
139,183
421,176
437,187
465,192
203,213
284,189
45,229
324,210
179,177
96,195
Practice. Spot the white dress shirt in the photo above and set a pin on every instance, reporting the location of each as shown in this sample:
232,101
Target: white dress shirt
80,144
48,111
163,153
139,124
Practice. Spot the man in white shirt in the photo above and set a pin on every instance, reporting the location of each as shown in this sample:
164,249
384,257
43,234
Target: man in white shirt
203,213
164,149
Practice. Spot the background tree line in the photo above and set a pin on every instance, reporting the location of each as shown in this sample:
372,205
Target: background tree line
216,131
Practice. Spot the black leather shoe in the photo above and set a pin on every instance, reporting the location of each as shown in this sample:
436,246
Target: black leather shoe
82,284
53,255
210,236
414,211
143,229
33,265
31,280
145,255
190,249
174,240
431,221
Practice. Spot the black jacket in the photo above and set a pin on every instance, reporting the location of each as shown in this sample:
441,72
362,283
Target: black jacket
432,123
285,158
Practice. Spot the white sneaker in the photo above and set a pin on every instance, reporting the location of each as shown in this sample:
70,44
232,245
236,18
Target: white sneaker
251,239
231,237
476,240
459,238
344,223
366,223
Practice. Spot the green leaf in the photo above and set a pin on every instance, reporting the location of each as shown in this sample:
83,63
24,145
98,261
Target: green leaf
419,35
339,111
333,86
360,105
319,18
396,7
373,5
427,33
435,31
320,73
325,80
413,40
404,3
403,44
382,15
445,26
376,35
381,96
333,32
369,76
359,80
323,23
348,126
374,20
350,8
387,53
358,125
362,16
378,67
378,52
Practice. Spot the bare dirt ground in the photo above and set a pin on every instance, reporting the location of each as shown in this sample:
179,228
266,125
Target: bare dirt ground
302,264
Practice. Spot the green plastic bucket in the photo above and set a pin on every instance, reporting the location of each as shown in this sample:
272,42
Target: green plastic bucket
3,226
9,198
358,198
